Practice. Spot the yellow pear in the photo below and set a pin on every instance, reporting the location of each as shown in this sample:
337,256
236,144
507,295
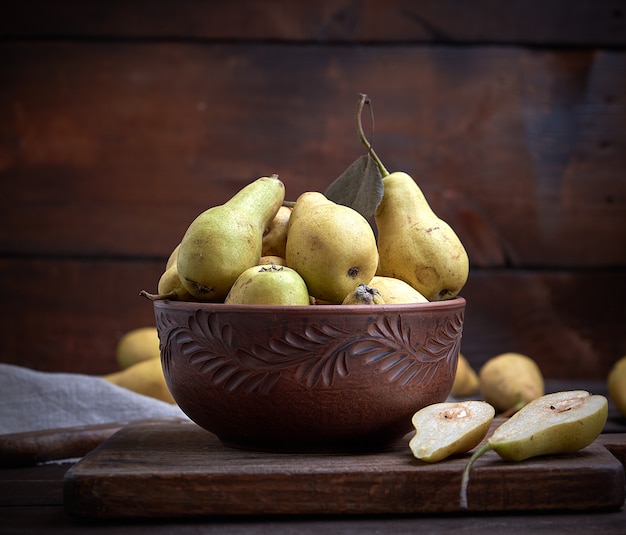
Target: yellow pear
225,240
306,200
331,246
136,346
269,285
616,384
269,260
415,245
275,235
466,381
171,260
170,287
395,291
364,295
145,378
510,380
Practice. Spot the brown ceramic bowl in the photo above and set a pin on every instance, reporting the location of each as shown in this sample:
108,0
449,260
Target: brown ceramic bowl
308,378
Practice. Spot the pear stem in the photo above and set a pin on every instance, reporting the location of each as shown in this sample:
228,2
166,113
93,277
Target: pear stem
466,473
158,297
364,99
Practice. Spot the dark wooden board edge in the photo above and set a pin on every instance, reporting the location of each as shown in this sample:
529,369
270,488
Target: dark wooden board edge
40,485
616,444
33,447
123,479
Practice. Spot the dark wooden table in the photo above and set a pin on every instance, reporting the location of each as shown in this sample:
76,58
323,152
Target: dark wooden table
31,501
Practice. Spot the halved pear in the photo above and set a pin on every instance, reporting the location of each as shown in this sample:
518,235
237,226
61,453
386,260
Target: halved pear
449,428
563,422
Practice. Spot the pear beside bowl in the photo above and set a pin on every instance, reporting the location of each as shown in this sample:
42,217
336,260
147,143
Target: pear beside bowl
320,378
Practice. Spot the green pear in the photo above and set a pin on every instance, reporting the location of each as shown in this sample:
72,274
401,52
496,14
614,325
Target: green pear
449,428
415,245
563,422
225,240
269,285
364,295
395,291
331,246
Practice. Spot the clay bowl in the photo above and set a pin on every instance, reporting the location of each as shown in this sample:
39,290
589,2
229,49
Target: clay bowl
323,378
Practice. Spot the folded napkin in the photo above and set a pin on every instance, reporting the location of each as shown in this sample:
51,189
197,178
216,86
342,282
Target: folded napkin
34,401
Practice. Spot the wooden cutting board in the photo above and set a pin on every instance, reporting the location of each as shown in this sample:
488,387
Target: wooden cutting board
181,470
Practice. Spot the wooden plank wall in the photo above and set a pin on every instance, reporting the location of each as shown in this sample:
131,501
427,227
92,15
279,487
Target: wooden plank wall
120,121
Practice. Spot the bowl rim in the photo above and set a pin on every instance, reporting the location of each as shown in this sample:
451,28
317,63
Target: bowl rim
454,303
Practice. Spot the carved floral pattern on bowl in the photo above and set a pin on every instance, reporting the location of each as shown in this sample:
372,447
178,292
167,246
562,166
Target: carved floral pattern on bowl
317,356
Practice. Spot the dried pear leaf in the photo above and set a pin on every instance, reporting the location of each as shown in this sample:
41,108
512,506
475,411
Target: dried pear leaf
360,187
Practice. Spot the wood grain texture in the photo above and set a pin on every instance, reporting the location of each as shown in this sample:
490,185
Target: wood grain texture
69,315
559,318
191,473
112,149
39,519
585,22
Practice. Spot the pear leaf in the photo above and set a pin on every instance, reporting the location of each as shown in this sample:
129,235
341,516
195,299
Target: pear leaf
360,187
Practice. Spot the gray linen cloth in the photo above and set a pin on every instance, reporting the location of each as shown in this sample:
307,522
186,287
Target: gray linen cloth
34,400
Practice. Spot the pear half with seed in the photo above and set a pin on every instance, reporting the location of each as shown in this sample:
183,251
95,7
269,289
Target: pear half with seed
449,428
563,422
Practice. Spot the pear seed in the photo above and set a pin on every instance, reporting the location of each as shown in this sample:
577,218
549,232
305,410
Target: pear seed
567,405
455,412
